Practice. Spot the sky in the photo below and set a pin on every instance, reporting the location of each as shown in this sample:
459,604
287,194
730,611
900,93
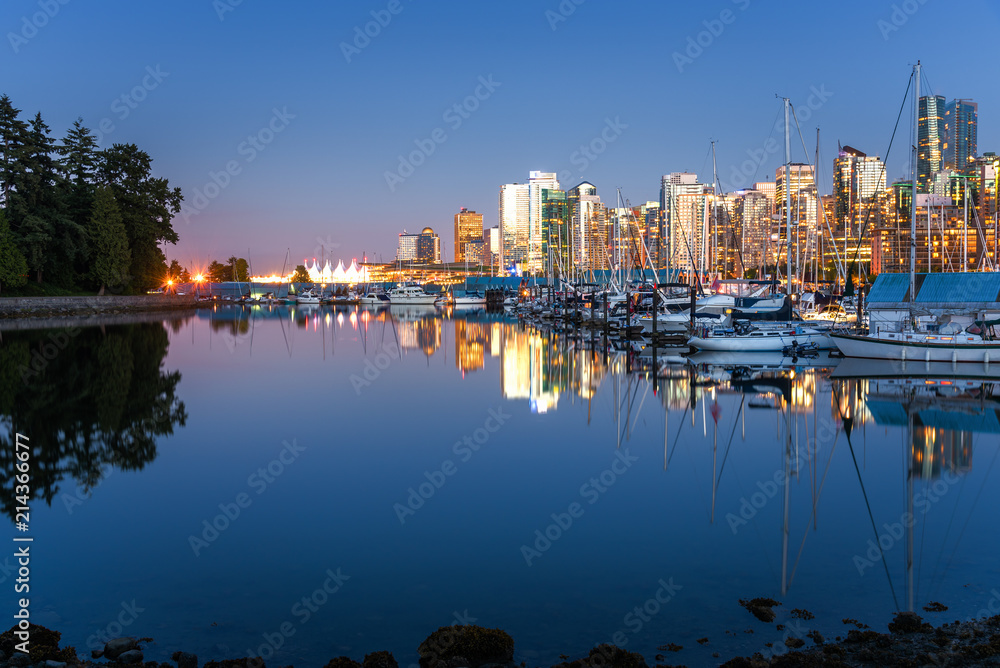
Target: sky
309,128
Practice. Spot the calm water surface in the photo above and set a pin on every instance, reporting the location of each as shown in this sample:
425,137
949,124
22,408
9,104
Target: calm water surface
209,481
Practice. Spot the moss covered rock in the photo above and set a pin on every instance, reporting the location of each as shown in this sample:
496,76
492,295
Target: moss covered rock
380,660
43,645
342,662
476,644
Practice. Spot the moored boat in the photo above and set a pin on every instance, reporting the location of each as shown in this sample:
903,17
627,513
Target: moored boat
744,337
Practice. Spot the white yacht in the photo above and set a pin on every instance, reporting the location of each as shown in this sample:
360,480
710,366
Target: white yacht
759,337
411,293
374,298
307,297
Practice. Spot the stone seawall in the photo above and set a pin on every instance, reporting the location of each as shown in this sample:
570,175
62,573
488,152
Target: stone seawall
19,307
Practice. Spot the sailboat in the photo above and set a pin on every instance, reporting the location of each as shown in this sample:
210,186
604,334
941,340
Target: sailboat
953,343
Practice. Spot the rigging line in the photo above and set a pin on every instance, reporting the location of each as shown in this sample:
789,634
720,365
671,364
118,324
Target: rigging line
975,501
951,521
913,198
725,455
872,519
774,124
819,493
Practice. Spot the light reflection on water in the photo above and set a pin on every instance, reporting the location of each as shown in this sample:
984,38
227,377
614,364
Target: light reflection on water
474,467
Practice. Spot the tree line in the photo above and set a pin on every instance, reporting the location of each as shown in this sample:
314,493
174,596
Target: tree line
78,217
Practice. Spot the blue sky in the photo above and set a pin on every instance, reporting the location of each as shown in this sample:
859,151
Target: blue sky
288,135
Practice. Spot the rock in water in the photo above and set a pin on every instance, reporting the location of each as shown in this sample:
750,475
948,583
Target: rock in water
476,644
342,662
130,657
185,660
380,660
115,648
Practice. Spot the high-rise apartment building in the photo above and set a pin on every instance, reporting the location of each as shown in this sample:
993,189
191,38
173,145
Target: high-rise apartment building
681,232
857,180
521,221
930,136
588,225
556,235
514,226
959,147
537,183
423,248
468,229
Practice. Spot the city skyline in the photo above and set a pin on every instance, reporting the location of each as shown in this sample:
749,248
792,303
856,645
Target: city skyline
325,124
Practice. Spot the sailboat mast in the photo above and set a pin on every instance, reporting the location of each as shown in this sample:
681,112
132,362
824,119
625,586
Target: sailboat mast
913,194
788,200
715,228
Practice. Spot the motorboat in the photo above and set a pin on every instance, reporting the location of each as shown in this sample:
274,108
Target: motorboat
411,293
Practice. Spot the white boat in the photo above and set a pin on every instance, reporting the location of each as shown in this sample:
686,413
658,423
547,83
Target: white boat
307,297
919,346
470,298
761,337
411,293
374,298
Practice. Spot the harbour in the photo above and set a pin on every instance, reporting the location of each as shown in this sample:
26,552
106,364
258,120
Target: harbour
728,476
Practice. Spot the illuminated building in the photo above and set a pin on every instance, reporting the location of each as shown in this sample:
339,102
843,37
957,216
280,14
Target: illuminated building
556,234
684,203
930,135
589,228
468,228
514,225
423,248
959,147
857,179
751,214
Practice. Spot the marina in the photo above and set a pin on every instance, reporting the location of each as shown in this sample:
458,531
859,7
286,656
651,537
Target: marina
754,453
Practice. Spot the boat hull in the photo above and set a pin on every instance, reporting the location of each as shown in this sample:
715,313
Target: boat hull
775,343
863,346
410,300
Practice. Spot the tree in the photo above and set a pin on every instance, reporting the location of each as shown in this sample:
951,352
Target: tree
112,257
13,267
147,205
184,276
301,275
77,164
238,269
217,272
13,135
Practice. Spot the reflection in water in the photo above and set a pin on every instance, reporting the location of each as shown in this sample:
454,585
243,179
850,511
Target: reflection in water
87,399
813,405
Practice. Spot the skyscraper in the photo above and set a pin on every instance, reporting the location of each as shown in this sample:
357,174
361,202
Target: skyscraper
468,229
857,179
588,222
555,232
930,136
513,225
959,146
521,221
538,182
678,228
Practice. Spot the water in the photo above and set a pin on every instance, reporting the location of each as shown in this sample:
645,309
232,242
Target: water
429,471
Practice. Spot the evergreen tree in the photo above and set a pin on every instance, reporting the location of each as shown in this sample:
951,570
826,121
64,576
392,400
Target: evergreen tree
217,272
112,258
36,207
78,162
13,268
301,275
13,136
147,206
238,269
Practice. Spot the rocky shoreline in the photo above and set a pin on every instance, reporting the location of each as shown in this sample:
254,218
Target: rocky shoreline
41,307
910,642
